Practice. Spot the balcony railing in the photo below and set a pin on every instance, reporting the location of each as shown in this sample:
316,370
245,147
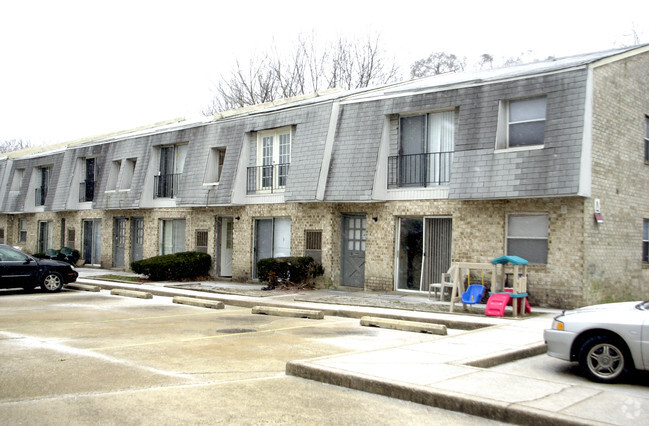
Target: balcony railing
166,186
419,170
40,196
267,178
86,191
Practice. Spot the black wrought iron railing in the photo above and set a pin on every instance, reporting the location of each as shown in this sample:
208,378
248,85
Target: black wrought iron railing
166,186
419,170
267,178
40,196
86,191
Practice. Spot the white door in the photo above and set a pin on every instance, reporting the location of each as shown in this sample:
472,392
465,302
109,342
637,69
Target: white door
226,247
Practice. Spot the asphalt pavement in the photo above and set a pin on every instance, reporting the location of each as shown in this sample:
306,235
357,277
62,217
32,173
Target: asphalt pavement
451,373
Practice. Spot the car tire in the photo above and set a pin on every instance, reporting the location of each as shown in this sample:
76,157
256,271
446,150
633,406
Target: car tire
52,282
604,359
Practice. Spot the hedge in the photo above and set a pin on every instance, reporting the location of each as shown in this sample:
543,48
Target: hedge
291,270
177,266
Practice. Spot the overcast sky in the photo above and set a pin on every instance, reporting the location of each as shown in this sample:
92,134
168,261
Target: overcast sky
70,69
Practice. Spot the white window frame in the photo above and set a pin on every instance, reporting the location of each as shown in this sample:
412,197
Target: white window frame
645,241
174,229
113,175
22,231
529,237
505,123
270,144
215,162
17,179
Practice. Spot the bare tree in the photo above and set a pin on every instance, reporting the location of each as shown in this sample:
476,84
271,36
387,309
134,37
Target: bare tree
437,63
9,145
345,64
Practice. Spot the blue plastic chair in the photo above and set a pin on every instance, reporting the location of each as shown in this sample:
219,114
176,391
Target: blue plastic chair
473,294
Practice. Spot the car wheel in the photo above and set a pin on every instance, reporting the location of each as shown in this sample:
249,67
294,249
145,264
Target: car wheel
603,359
52,282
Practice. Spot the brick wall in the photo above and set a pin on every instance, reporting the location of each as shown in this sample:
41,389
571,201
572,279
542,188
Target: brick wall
613,249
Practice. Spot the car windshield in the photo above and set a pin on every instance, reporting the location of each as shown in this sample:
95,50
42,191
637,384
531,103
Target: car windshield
7,254
644,306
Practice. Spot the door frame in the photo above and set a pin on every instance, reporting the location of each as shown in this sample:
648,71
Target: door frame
424,257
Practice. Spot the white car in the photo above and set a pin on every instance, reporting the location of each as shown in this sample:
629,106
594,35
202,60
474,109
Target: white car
607,340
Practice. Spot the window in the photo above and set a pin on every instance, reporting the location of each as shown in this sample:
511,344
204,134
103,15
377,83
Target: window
645,241
313,245
527,237
273,161
215,161
127,174
172,162
41,191
22,231
2,235
521,123
272,238
87,187
113,175
426,145
172,236
17,180
201,240
646,139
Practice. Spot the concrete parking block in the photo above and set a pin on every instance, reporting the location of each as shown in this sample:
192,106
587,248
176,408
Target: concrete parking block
288,312
202,303
83,287
131,293
417,327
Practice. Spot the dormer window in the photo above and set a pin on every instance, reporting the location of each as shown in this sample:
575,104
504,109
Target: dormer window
87,186
42,190
172,162
273,161
521,123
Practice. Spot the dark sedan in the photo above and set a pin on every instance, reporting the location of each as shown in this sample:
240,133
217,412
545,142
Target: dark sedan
20,270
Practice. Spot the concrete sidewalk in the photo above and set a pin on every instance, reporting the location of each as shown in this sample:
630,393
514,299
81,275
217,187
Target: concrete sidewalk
451,373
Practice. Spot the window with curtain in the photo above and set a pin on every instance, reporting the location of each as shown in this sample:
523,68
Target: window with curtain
527,237
426,145
521,123
172,236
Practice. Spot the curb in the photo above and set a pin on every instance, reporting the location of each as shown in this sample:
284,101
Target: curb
83,287
201,303
131,293
288,312
468,404
413,326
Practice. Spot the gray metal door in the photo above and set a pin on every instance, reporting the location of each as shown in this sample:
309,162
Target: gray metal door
119,242
353,251
137,238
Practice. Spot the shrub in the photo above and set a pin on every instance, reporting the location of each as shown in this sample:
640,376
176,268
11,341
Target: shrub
292,270
177,266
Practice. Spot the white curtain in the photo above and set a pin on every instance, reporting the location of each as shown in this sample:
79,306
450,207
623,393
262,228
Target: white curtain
440,141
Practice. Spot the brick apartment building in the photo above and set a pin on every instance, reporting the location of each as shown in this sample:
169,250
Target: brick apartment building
385,186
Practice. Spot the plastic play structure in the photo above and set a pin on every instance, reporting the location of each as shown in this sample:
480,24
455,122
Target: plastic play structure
499,300
462,278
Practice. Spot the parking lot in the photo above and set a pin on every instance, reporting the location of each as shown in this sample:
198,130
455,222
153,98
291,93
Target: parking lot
81,358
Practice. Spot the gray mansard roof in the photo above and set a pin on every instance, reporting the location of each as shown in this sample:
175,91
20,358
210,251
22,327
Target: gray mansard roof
342,140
